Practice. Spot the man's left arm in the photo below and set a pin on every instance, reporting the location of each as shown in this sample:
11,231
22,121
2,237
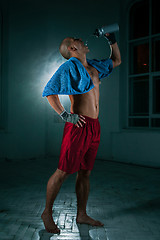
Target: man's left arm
115,55
115,52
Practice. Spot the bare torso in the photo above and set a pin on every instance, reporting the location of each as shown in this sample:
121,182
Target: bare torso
88,103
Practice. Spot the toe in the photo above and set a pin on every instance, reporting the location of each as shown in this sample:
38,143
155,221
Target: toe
99,223
57,229
53,230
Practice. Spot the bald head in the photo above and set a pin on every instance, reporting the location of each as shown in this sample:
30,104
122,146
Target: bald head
63,48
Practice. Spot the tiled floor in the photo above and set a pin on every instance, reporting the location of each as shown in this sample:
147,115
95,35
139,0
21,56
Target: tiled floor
125,198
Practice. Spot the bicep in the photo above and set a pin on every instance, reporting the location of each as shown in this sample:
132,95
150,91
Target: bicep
55,103
114,63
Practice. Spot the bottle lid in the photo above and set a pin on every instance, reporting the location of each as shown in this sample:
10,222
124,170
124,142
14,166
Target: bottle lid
96,33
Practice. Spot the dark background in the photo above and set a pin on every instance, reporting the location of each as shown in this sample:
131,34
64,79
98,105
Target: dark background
31,33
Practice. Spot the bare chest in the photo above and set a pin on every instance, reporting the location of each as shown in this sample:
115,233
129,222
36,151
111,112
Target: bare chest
93,74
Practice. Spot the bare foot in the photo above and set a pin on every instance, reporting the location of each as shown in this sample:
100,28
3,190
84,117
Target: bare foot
49,224
84,218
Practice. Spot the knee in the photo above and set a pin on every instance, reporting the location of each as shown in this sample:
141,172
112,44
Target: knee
61,175
84,173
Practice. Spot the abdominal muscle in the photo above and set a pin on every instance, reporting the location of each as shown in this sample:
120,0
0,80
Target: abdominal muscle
86,104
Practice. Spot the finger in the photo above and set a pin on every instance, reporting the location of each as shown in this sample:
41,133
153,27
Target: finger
81,116
82,120
80,123
77,125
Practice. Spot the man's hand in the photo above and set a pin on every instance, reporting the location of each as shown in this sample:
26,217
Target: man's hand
73,118
81,121
115,53
110,37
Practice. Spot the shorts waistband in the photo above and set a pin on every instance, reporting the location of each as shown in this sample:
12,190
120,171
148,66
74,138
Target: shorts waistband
89,119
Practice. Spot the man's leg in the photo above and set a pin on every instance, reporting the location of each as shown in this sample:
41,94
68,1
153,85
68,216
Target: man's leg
82,191
53,187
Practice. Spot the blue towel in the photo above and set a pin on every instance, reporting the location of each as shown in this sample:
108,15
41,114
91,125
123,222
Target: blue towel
72,77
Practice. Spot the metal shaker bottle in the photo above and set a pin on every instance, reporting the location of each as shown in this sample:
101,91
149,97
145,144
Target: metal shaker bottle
106,29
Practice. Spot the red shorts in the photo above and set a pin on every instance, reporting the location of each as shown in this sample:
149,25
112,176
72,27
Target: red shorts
79,146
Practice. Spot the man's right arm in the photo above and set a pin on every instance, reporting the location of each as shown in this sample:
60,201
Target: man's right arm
55,103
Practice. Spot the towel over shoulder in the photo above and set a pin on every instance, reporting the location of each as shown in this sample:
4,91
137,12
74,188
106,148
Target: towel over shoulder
72,77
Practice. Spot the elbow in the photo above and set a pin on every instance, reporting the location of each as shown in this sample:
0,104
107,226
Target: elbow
119,62
116,63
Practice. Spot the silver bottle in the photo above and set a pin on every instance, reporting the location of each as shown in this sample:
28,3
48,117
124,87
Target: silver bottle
106,29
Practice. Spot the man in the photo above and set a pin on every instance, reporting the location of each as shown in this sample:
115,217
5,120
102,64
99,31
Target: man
79,78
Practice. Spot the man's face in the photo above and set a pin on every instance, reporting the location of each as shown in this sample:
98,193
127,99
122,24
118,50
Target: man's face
79,45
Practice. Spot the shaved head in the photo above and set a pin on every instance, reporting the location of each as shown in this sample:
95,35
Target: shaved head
63,48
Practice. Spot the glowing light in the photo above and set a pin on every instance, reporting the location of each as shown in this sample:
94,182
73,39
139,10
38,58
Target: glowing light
65,101
51,63
144,64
